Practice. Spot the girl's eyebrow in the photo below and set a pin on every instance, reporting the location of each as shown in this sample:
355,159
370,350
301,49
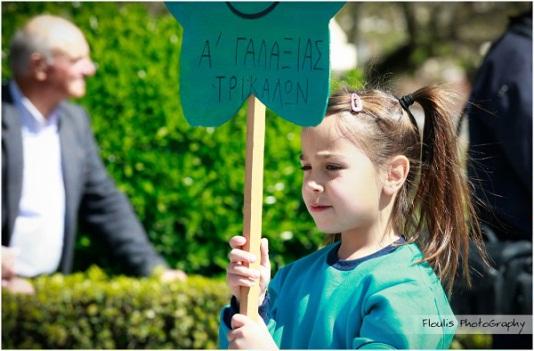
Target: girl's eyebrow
323,154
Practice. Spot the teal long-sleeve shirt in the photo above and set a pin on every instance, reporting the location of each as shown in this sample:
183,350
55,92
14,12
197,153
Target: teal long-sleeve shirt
382,301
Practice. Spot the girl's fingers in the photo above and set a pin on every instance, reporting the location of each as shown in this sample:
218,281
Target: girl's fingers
238,255
237,241
239,274
237,282
239,320
264,249
243,271
232,335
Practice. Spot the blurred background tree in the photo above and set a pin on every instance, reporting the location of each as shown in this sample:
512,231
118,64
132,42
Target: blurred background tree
398,38
186,184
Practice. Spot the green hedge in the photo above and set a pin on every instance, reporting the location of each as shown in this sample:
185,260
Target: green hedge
90,311
186,184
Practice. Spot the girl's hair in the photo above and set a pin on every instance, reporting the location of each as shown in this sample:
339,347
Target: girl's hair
433,207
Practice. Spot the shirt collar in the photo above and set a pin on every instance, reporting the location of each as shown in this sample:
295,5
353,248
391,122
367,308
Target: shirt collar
346,265
31,114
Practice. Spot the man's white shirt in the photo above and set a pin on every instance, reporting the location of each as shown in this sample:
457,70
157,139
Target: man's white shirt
39,226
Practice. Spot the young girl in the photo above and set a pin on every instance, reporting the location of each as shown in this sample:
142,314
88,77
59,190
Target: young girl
399,205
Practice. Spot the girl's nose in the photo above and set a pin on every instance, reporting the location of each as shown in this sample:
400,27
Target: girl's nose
315,186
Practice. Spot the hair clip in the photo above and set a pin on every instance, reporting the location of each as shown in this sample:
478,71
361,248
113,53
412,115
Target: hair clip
356,103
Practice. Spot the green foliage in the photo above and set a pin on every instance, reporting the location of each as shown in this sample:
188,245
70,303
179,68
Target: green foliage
186,184
472,341
90,311
353,78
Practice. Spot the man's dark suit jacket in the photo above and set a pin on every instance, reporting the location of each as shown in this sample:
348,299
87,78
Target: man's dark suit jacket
500,132
91,195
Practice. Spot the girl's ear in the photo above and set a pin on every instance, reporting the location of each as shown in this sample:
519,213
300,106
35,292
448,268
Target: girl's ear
397,172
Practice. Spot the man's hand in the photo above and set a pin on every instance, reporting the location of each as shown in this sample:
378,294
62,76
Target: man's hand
18,285
248,334
10,281
170,275
8,263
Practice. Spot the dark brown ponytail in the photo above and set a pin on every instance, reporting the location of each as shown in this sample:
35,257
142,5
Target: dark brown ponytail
442,198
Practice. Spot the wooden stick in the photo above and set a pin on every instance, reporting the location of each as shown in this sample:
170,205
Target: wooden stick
253,198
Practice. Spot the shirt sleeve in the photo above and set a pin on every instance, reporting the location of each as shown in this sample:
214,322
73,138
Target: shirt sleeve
223,330
394,318
106,212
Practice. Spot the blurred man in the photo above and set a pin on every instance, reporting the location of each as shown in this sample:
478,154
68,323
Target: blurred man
52,175
500,168
500,133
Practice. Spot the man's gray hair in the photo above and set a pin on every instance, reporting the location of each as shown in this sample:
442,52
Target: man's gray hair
23,45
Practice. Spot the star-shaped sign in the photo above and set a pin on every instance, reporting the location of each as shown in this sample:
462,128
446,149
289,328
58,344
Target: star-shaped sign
278,52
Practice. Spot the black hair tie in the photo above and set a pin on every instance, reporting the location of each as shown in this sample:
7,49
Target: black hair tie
428,132
406,101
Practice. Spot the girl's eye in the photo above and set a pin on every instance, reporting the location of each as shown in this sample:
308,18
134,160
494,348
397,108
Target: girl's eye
305,167
331,167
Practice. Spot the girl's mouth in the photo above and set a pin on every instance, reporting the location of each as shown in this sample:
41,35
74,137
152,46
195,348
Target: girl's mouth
319,208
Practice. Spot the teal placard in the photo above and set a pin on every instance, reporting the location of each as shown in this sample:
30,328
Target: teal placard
277,51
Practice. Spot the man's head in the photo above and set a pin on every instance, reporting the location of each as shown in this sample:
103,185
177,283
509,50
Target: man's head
53,53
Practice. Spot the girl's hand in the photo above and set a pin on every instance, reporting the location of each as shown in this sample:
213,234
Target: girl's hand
238,272
248,334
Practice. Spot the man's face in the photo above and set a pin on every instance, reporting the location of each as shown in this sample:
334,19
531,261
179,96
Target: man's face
70,65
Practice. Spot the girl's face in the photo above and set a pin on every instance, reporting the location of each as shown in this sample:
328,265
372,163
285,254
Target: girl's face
341,186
